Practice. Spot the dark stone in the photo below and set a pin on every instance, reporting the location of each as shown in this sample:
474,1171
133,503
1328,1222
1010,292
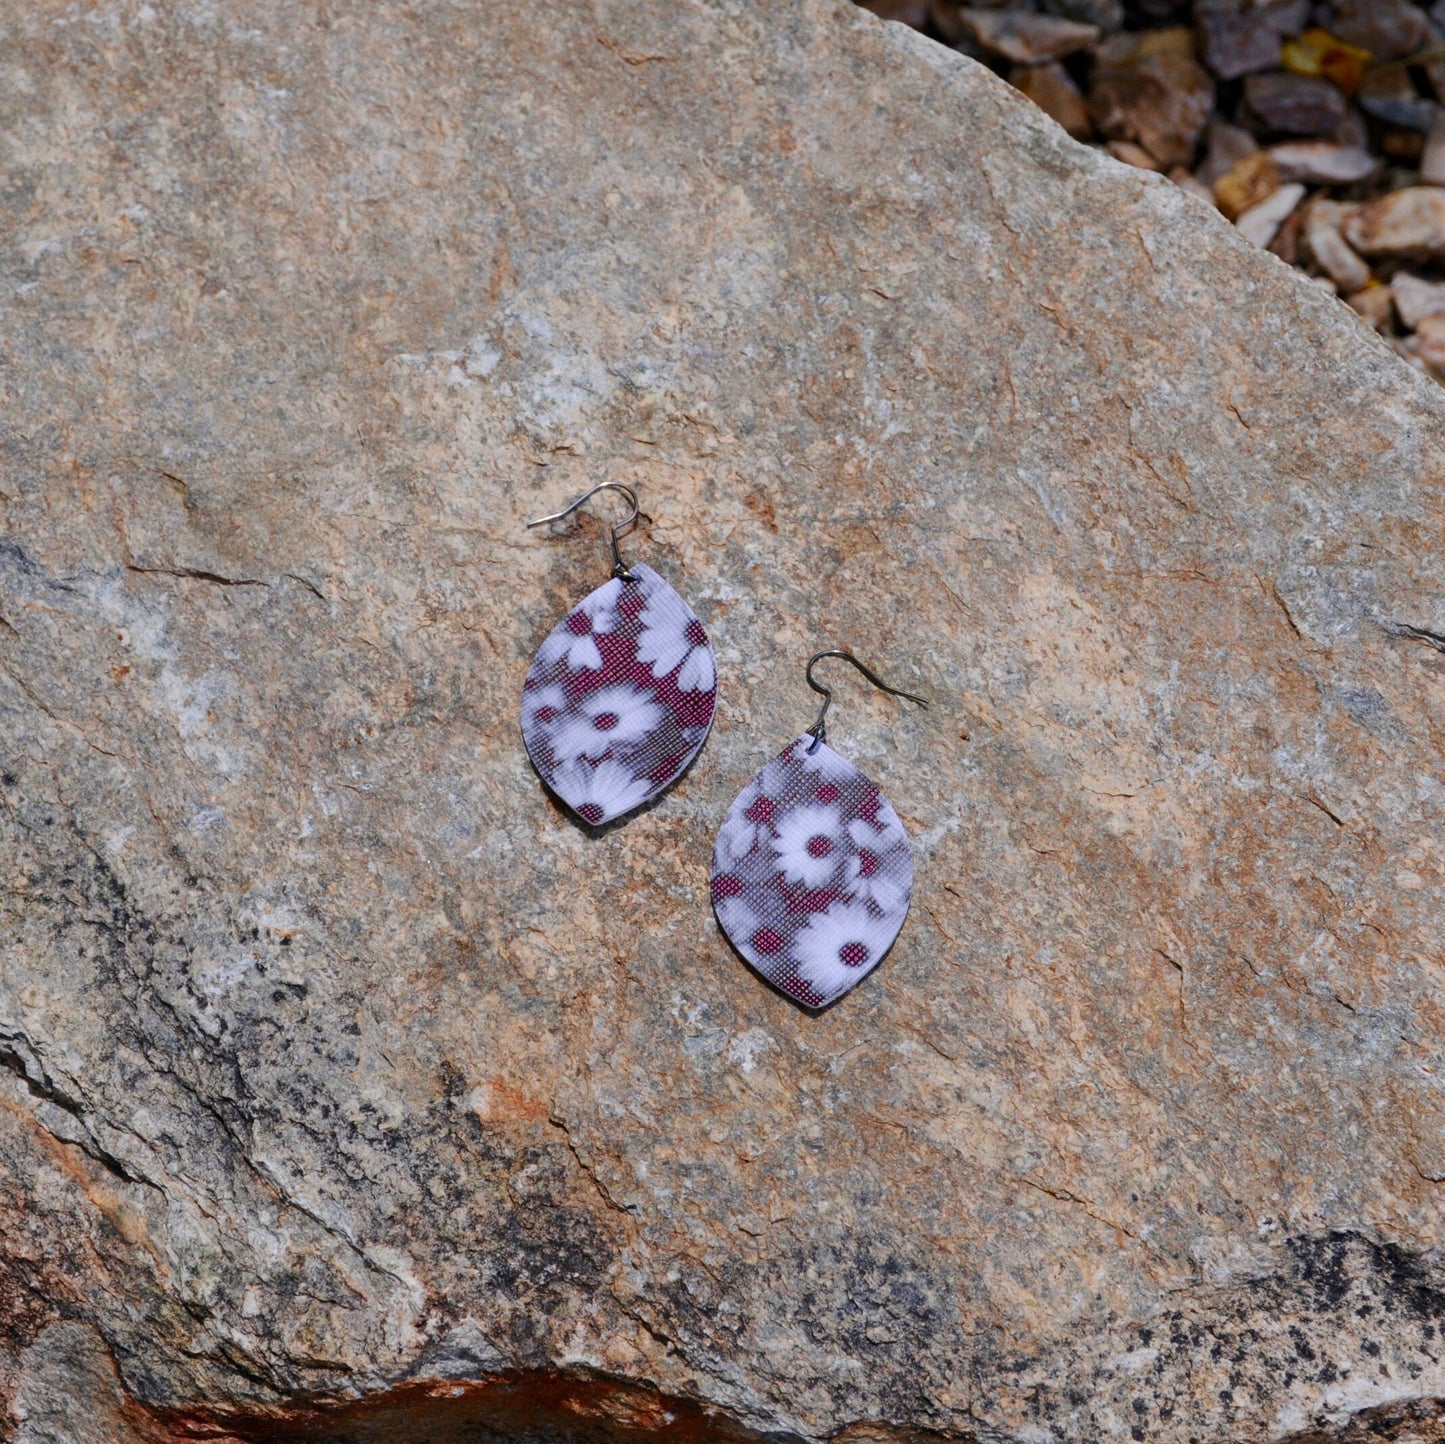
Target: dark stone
1295,104
1388,29
1388,94
1162,103
1237,42
1108,15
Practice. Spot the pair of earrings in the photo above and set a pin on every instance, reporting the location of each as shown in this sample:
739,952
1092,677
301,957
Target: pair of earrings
811,872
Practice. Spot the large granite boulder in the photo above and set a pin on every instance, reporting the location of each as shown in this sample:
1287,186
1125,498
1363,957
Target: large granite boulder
352,1090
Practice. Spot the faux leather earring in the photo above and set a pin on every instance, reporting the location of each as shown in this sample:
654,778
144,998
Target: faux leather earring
620,697
812,870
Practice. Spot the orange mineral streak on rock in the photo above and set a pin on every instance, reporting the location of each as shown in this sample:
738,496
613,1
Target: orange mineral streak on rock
94,1182
512,1404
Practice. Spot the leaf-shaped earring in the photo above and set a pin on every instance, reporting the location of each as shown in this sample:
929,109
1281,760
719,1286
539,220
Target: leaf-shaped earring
812,871
619,698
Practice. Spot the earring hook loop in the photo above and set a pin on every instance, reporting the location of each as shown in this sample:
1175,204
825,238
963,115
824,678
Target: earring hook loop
619,529
818,731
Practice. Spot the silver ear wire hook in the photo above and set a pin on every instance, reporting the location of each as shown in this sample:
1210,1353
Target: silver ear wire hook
620,529
817,730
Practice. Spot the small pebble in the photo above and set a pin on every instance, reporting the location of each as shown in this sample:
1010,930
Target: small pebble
1116,50
1108,15
1235,42
1131,154
1162,102
1286,242
1246,184
1259,224
1024,38
1321,163
1171,40
1131,46
1406,225
1225,145
1388,94
1388,29
1295,104
1331,252
1416,298
1373,303
1317,52
1052,89
1430,334
1432,159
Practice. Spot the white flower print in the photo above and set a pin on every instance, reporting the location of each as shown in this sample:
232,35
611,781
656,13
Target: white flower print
749,825
836,947
808,844
869,878
606,718
598,794
823,760
669,638
698,672
574,638
872,874
541,706
738,919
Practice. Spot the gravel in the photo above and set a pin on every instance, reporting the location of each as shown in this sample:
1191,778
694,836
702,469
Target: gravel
1316,126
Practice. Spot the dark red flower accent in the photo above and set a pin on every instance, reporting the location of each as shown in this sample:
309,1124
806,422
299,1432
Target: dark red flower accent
867,862
590,812
727,884
828,792
695,634
579,624
762,811
767,941
819,846
807,900
668,767
576,685
805,993
691,709
619,661
854,954
605,721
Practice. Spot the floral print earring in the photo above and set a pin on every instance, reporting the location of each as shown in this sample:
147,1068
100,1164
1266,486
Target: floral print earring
812,871
620,697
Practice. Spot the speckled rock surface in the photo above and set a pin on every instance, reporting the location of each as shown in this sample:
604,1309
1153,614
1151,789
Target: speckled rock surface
346,1079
